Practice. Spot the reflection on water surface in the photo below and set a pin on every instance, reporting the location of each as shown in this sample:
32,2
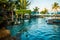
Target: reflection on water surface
36,29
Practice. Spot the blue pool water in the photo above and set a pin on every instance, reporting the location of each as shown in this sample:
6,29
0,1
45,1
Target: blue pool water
35,29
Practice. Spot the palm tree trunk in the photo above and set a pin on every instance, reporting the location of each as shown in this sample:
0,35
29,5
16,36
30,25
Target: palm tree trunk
21,16
29,15
16,20
12,16
56,13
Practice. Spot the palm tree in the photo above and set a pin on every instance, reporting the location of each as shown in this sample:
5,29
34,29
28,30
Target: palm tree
36,9
3,7
6,6
11,8
55,7
45,11
23,5
3,11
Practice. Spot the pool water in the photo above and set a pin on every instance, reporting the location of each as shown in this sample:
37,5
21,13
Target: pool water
35,29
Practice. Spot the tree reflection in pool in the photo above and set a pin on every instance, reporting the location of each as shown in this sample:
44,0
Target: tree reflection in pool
35,29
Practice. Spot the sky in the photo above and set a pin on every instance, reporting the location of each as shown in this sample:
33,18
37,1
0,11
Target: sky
41,4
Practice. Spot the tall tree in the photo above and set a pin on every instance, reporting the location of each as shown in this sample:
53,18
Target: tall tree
36,9
3,7
45,11
55,7
24,4
3,10
11,8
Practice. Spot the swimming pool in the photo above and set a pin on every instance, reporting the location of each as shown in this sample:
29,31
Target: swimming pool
35,29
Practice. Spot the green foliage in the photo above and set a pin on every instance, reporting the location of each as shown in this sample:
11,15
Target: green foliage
3,6
44,11
7,5
22,11
36,9
4,1
24,4
55,6
0,18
